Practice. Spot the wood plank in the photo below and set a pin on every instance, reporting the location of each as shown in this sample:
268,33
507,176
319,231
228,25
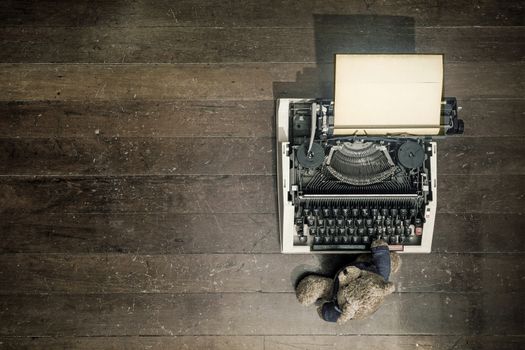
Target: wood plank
232,233
221,194
489,233
487,118
140,233
256,13
481,194
226,156
493,118
481,156
302,342
171,194
139,118
253,314
136,343
256,81
229,273
214,44
134,156
406,342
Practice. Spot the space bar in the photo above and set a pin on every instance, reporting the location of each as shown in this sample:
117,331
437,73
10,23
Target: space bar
338,247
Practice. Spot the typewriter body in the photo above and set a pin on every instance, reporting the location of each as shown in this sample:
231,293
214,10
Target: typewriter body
341,187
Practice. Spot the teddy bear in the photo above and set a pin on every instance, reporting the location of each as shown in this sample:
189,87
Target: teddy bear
357,290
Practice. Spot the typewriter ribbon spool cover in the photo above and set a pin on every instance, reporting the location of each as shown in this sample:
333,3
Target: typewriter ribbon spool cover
388,94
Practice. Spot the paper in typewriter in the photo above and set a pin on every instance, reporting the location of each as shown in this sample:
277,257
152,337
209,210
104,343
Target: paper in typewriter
388,94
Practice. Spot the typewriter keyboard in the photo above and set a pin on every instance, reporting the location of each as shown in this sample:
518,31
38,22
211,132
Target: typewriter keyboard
351,228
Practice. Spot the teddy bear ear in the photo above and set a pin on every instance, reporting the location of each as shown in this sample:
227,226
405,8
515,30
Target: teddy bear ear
348,274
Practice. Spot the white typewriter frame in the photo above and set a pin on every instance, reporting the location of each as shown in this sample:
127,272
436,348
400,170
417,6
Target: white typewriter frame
284,185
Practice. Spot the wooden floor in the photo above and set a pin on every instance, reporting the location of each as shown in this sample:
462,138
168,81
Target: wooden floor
137,174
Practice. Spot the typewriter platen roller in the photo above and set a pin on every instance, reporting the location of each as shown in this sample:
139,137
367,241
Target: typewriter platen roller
338,193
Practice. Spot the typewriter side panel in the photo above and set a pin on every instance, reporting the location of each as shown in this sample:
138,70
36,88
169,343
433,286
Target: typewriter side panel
430,210
284,180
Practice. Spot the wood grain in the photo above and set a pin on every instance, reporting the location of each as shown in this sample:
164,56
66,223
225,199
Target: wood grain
394,342
131,118
302,342
227,45
220,155
137,179
138,343
256,81
220,233
229,273
208,118
255,13
222,194
253,313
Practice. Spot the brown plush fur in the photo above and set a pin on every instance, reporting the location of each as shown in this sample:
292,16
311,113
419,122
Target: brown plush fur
313,288
360,292
362,296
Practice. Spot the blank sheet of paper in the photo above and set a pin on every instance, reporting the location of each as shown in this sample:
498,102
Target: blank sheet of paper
388,94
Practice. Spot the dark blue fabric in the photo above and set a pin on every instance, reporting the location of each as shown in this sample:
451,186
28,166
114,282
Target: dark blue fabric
381,257
330,311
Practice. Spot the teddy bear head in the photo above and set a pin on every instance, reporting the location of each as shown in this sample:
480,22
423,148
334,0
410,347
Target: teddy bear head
360,293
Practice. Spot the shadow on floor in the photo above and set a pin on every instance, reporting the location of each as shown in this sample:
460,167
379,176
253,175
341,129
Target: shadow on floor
344,34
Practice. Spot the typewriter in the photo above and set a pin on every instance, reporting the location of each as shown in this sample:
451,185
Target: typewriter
348,176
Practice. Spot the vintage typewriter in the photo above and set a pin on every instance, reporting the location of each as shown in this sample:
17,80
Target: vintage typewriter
347,174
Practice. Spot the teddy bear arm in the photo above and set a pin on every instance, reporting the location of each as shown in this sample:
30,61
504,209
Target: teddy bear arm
312,288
